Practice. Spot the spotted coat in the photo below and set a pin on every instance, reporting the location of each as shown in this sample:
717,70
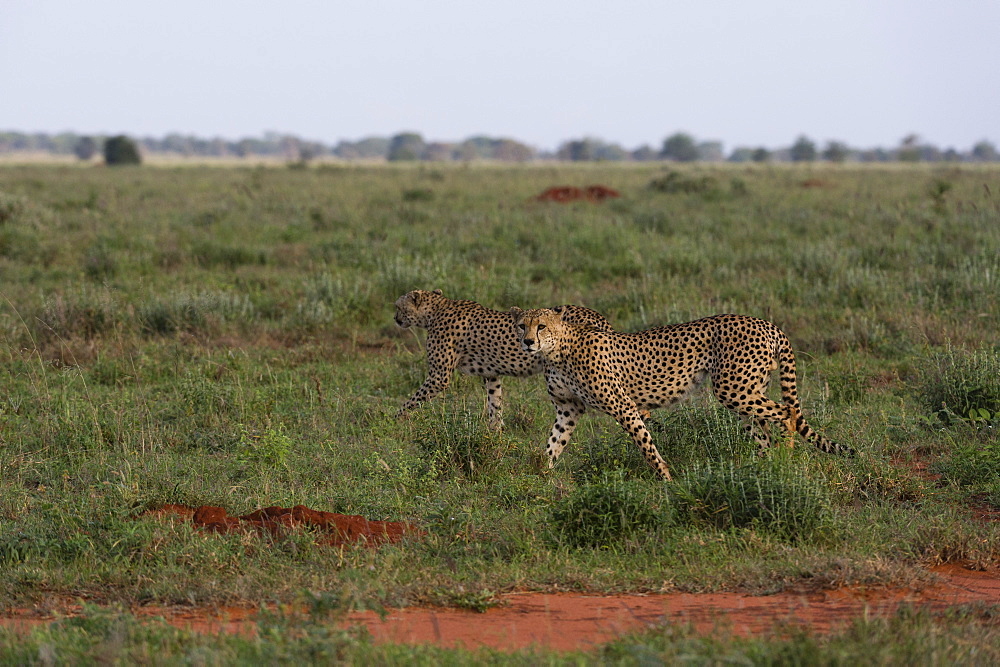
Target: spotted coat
622,374
466,336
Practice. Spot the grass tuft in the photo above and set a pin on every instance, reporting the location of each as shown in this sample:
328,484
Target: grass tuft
609,512
960,385
770,495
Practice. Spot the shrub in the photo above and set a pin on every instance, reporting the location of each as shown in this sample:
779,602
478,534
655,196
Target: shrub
608,512
80,314
193,313
418,194
270,447
971,464
406,146
327,300
461,442
676,182
85,148
765,495
592,458
956,385
211,254
162,317
121,150
701,430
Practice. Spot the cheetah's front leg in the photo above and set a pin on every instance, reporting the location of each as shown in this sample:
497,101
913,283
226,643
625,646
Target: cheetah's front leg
440,366
567,417
494,401
759,430
632,422
436,382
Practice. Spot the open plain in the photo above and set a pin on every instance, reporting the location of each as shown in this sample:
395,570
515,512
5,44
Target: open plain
223,337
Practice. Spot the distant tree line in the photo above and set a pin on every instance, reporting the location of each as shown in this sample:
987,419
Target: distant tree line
411,146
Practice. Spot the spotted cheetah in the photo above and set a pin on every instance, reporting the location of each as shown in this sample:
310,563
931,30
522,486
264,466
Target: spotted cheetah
623,373
475,340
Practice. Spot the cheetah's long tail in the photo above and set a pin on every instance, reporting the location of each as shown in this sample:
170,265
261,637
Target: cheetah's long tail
789,394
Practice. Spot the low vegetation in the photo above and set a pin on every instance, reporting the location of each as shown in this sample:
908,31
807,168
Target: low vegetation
225,336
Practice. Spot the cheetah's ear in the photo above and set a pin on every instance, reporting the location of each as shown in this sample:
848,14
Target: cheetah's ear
438,292
516,312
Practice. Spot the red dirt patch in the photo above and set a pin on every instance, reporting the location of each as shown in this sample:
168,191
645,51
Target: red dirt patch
983,510
815,183
334,529
563,194
569,622
598,193
564,621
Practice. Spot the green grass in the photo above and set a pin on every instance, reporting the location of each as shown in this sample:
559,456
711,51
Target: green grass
225,337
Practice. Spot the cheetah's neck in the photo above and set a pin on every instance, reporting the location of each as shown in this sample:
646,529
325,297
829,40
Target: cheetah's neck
569,341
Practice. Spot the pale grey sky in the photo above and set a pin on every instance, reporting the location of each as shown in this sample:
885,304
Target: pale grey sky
747,73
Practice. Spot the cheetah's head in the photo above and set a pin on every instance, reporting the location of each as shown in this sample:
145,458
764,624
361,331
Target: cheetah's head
413,307
538,330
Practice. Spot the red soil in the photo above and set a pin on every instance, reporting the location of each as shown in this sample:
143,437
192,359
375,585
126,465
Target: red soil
561,194
564,621
567,193
598,193
567,622
814,183
333,529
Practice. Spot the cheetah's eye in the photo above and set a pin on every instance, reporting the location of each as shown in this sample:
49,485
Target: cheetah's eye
541,326
521,327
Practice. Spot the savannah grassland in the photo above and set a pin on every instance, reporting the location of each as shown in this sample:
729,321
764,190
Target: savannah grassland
224,336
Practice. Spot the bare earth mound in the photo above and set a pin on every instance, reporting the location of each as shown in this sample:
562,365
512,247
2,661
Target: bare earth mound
563,194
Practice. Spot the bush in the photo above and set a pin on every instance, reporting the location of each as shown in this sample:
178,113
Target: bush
766,495
613,452
82,314
971,464
121,150
329,300
194,313
608,512
676,182
85,148
270,447
418,194
702,431
461,442
956,385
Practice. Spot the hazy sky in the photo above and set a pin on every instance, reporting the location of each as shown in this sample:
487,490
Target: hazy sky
744,72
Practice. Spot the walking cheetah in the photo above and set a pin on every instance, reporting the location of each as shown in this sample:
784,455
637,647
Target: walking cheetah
623,373
475,340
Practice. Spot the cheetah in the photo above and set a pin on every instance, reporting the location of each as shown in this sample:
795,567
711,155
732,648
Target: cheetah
623,373
466,336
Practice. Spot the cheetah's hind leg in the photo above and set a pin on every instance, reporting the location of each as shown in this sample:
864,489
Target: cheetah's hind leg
791,425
